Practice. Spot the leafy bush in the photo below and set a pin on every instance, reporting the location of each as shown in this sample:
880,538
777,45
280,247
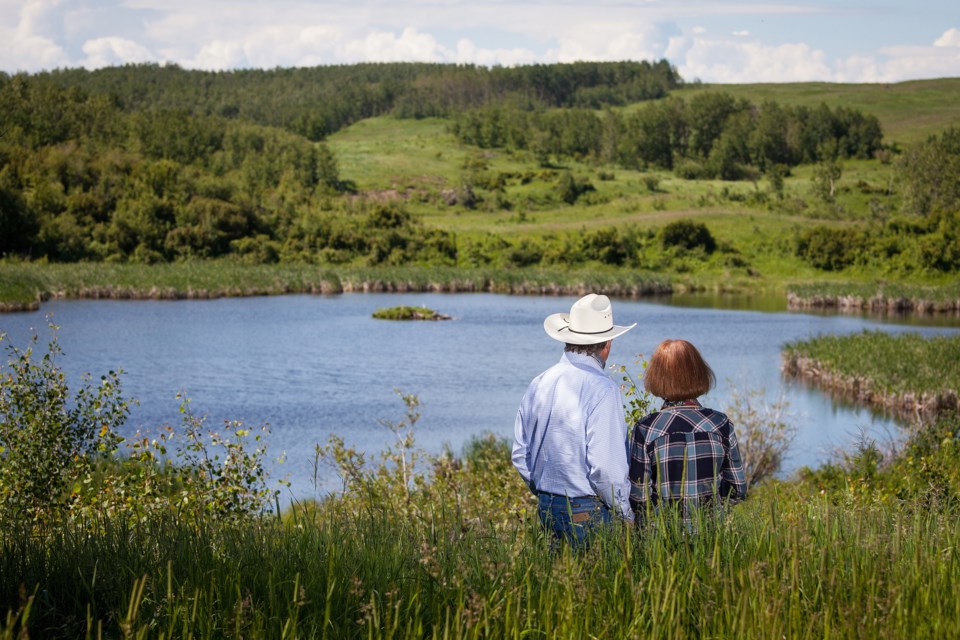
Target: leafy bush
48,439
829,248
62,455
688,235
570,189
924,472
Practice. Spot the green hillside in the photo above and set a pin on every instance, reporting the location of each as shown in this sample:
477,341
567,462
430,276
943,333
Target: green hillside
606,169
909,111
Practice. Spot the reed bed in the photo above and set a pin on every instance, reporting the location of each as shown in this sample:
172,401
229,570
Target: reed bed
25,285
905,373
875,298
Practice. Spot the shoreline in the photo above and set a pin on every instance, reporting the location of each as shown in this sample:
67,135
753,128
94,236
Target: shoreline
878,304
108,292
908,406
24,287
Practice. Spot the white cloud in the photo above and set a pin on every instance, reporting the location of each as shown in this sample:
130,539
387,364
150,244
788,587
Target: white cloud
470,53
605,40
30,45
218,56
727,61
104,52
950,38
734,60
383,46
225,34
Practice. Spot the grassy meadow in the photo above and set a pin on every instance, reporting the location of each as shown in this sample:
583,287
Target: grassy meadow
788,563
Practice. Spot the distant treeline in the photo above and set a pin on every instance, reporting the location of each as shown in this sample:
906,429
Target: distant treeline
713,135
317,101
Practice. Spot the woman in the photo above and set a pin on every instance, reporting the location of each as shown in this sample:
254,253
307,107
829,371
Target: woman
684,454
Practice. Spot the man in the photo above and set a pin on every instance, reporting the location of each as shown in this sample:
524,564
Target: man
570,433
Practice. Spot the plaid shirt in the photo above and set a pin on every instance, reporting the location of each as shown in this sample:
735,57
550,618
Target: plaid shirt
687,455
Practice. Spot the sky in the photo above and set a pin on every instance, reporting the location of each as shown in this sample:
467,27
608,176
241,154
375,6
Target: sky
712,41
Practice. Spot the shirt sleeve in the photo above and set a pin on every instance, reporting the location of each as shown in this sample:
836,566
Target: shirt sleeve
607,452
521,442
733,474
639,469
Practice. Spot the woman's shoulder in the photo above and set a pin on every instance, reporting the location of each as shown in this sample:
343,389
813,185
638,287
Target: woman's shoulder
690,412
707,411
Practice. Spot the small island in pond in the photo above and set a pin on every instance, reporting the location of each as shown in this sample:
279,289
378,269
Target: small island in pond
409,313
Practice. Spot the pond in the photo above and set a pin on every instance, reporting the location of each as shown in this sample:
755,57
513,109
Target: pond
311,366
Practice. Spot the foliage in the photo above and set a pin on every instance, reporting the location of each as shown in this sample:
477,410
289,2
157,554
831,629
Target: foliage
406,312
462,556
900,245
143,167
925,472
419,545
63,458
49,439
688,235
638,403
906,363
223,470
570,188
928,172
831,249
711,136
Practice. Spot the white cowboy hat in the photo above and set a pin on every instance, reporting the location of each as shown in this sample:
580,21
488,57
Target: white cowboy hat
590,321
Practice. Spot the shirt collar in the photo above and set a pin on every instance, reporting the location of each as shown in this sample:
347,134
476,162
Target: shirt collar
670,404
582,360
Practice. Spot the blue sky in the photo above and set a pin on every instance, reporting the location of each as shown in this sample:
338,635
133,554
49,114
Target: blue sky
745,41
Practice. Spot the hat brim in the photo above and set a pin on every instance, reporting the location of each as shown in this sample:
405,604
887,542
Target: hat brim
557,327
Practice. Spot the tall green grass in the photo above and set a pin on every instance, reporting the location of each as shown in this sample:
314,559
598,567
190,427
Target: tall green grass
418,546
28,283
782,565
875,296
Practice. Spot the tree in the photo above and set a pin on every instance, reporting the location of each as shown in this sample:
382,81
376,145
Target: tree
929,174
48,438
825,177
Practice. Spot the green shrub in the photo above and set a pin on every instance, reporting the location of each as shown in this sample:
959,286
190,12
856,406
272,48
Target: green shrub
688,235
829,248
48,438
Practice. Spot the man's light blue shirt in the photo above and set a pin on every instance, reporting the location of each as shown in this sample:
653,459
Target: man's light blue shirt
570,434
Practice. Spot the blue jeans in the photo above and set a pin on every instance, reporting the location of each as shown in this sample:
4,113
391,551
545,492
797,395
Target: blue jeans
571,519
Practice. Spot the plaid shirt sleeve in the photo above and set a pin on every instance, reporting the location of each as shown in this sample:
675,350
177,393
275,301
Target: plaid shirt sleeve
733,480
639,470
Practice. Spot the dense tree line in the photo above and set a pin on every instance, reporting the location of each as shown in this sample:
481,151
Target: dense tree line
82,179
317,101
713,135
153,163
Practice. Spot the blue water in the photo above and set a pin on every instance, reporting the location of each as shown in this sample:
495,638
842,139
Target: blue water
311,366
